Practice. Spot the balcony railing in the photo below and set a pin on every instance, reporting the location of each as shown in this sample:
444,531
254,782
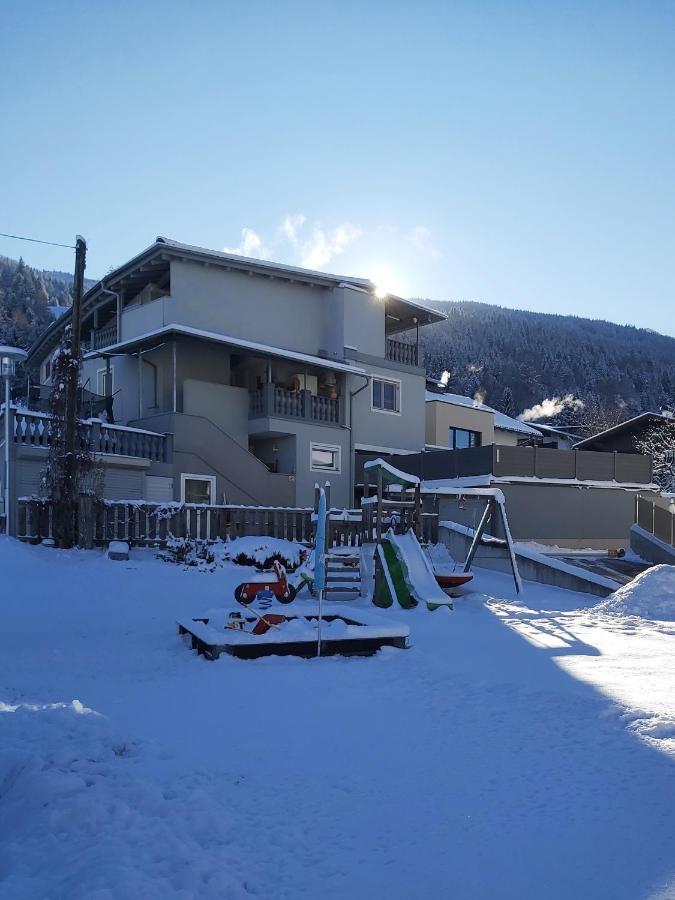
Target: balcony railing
400,352
104,337
272,400
33,429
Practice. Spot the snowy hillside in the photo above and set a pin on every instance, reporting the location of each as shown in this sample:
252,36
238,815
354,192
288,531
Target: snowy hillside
517,750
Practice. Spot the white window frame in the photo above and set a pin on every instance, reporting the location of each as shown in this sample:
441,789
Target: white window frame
102,372
399,392
331,448
192,476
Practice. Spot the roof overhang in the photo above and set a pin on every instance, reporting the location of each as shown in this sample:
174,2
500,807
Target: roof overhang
620,428
403,315
175,330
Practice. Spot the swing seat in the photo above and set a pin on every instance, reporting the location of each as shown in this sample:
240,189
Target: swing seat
452,581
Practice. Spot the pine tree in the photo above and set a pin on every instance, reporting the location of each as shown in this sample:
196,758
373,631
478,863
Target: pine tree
658,440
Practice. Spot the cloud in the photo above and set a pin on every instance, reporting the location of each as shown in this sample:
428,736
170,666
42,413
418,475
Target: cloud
551,406
251,245
291,226
300,242
321,247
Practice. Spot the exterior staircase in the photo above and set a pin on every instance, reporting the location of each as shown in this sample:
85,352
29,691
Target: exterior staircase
343,576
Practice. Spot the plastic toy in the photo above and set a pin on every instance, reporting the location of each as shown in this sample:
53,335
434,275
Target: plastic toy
275,581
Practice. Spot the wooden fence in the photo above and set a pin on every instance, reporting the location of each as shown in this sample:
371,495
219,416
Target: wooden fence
153,524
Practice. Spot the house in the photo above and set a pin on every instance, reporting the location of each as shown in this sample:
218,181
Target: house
558,438
461,422
237,380
622,437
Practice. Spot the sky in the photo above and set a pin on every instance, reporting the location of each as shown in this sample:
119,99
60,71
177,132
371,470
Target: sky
521,154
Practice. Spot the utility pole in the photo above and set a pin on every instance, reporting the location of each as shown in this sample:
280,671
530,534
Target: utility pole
75,322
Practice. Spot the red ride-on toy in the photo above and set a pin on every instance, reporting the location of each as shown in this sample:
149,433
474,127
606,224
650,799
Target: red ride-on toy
274,581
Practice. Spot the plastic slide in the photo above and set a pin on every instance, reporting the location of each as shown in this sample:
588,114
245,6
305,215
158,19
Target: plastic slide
404,573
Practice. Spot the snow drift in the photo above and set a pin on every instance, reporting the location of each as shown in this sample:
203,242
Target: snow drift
651,596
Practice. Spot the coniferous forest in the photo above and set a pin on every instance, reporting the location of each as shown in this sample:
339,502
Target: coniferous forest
514,359
511,359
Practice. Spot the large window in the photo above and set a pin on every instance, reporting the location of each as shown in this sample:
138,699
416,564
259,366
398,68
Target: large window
324,458
462,439
386,395
198,488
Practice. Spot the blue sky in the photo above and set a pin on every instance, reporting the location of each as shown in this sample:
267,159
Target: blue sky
517,153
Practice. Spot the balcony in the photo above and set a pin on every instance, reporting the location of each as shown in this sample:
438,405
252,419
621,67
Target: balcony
277,402
405,354
34,429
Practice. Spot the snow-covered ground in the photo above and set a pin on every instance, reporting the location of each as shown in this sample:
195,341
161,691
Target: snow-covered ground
520,749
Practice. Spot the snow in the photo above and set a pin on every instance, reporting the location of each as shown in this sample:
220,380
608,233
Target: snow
519,748
651,596
419,572
405,477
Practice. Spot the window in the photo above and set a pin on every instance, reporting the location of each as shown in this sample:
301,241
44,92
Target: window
324,458
104,389
386,395
198,488
47,370
461,439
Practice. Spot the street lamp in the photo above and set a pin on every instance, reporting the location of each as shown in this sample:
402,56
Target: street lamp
9,357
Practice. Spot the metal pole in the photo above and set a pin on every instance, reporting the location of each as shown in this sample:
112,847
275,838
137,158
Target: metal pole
7,400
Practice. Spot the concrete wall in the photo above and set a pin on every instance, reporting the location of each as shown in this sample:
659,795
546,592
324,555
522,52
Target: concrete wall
651,548
201,448
569,516
442,416
225,406
270,311
364,324
531,569
404,431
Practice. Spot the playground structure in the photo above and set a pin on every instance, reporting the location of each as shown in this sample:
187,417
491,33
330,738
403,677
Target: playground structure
402,572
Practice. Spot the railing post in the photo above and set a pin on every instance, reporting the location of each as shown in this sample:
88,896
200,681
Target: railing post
268,399
94,435
168,447
306,403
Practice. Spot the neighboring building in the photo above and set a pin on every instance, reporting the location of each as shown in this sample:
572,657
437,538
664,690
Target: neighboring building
556,438
250,380
460,423
622,437
569,498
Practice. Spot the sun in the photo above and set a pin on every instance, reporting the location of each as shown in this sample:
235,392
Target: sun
386,281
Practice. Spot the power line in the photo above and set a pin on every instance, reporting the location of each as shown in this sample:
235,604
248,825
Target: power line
37,241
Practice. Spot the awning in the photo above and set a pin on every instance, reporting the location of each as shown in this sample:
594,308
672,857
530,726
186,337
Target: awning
167,331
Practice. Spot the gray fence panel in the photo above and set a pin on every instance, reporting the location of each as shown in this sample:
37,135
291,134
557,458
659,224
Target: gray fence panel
594,465
516,461
555,463
633,468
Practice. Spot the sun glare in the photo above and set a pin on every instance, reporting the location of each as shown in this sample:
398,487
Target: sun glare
385,282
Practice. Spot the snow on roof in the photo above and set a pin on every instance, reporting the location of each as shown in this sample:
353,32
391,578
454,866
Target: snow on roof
620,427
397,474
226,339
264,263
501,421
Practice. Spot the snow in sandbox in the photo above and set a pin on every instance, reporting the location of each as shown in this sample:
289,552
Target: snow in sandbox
650,596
